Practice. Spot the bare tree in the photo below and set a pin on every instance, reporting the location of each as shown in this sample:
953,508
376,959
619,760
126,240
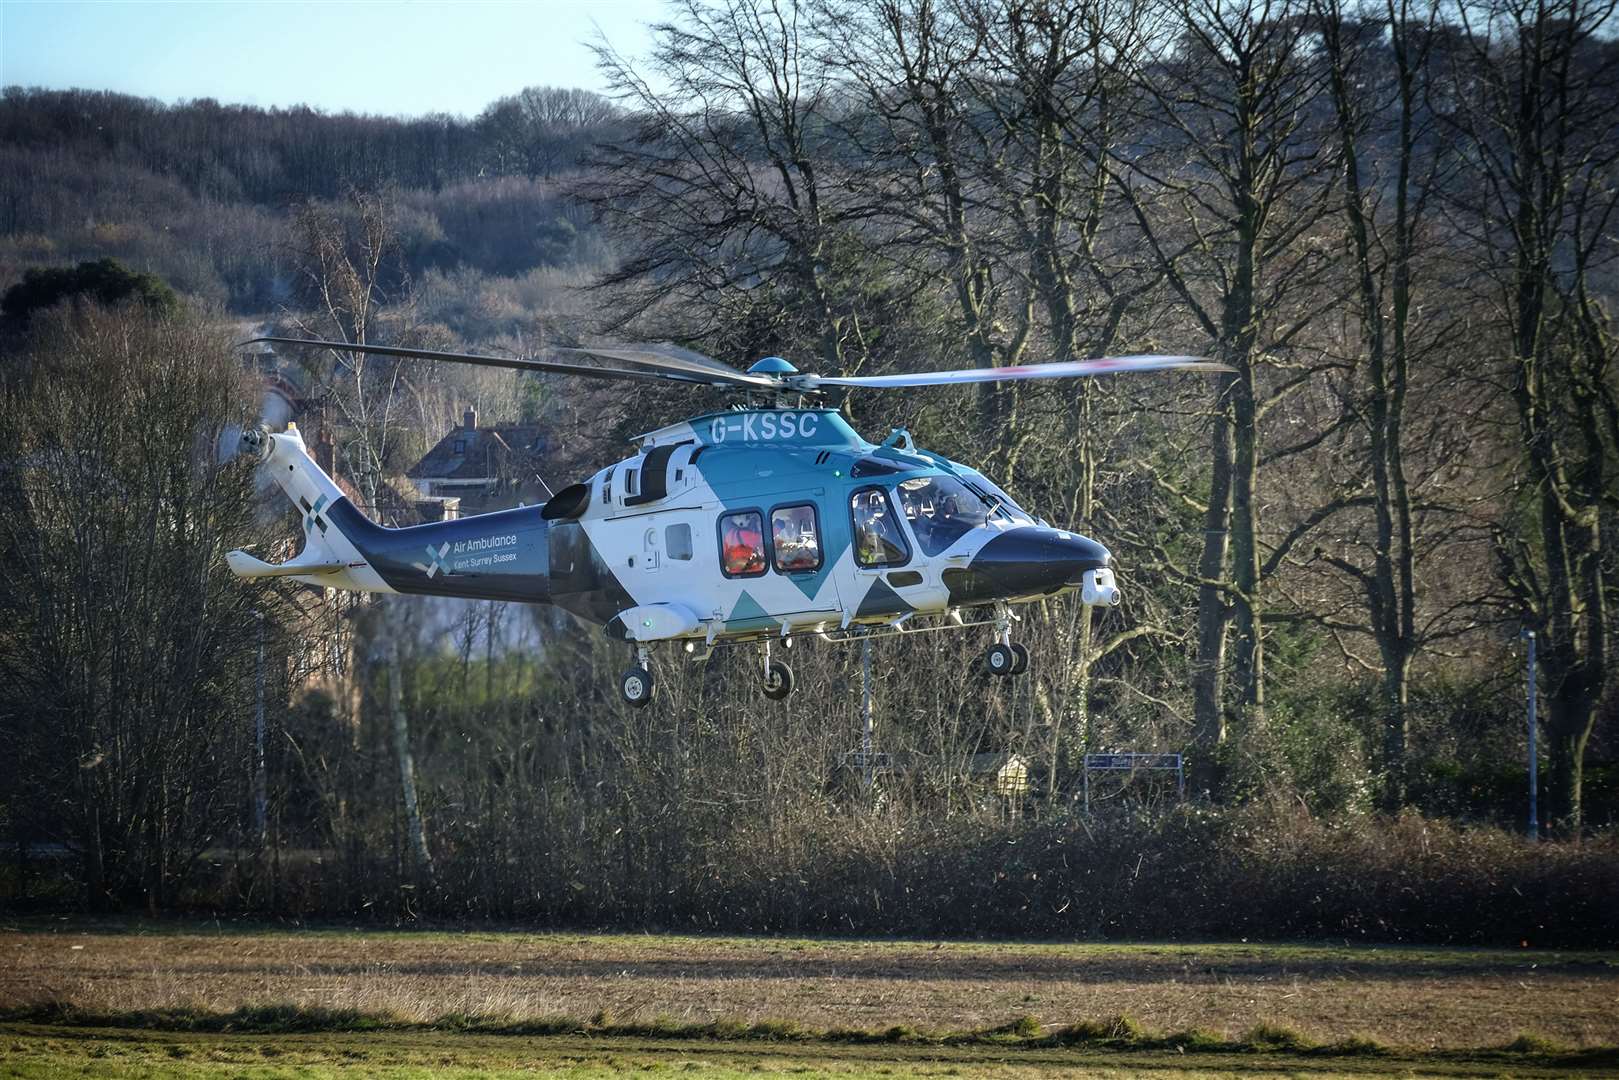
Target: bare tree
720,195
347,256
1226,194
924,187
1536,105
127,655
542,130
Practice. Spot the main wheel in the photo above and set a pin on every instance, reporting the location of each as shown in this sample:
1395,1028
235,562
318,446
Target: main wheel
778,681
636,687
1020,659
1000,660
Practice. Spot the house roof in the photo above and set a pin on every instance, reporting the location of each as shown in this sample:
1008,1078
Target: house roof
478,452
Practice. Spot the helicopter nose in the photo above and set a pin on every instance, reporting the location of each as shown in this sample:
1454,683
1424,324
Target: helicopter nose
1030,560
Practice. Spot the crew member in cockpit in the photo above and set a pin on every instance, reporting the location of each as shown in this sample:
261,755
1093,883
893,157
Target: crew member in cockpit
873,529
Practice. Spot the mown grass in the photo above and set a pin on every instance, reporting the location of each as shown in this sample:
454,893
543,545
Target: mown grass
1331,994
51,1054
1024,1032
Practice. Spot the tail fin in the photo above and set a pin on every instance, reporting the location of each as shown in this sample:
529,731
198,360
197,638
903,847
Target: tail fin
329,557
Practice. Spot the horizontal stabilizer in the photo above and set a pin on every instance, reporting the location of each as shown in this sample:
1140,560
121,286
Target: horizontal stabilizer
244,565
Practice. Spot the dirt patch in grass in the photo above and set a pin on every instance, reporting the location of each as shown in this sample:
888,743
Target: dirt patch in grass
1411,998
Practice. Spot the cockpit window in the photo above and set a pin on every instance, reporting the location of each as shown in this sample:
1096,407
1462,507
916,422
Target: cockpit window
941,509
998,501
878,538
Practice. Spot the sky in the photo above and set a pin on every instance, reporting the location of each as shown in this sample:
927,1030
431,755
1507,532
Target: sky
390,57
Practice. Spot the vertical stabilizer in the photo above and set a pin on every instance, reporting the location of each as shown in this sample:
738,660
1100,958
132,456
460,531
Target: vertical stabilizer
329,558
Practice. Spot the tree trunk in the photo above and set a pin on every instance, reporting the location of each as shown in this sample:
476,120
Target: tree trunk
1213,613
422,861
1569,724
1248,617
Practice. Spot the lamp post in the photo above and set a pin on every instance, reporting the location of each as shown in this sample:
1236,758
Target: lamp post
260,792
865,707
1534,761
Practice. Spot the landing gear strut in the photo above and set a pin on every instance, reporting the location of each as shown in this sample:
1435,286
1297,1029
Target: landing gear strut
1005,658
778,677
1021,658
636,685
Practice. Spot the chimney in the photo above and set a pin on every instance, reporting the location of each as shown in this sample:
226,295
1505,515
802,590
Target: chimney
469,419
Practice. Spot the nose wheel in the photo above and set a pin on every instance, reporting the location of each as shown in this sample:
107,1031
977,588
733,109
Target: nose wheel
1006,660
1006,657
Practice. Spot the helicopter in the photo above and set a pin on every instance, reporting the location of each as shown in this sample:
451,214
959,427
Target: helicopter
763,523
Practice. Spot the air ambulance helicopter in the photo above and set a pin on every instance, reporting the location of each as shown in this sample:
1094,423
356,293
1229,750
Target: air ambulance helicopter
759,524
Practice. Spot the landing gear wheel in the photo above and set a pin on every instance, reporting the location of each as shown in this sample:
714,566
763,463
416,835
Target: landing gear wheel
778,681
1020,662
1000,660
636,687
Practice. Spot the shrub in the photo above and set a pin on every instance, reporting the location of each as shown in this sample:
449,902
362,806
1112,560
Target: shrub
105,280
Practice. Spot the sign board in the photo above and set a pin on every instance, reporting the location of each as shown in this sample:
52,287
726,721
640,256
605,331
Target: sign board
1132,761
1126,761
858,759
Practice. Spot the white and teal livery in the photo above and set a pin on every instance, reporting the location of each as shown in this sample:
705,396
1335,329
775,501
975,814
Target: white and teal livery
756,524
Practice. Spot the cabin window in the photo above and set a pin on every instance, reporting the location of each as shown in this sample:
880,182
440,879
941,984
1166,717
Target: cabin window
742,544
795,538
878,539
632,482
677,542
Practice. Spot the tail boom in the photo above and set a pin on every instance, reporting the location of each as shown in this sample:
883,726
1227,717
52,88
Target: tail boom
498,556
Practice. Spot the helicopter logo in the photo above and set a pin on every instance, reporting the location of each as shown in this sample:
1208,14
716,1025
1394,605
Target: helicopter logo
755,526
312,517
438,561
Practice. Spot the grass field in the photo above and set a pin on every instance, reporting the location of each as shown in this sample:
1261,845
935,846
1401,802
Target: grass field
139,999
44,1052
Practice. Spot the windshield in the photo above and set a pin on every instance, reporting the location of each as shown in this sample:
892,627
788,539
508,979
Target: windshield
1000,503
941,509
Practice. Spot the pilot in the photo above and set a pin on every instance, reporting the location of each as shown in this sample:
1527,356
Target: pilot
873,528
744,547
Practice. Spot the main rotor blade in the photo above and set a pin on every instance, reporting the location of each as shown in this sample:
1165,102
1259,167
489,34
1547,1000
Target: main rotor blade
667,357
512,362
1062,369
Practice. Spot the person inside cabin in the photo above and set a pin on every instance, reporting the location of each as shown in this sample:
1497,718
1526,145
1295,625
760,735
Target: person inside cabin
744,546
793,536
878,540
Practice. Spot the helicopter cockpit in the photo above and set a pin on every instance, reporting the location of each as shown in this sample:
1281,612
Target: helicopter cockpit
942,509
